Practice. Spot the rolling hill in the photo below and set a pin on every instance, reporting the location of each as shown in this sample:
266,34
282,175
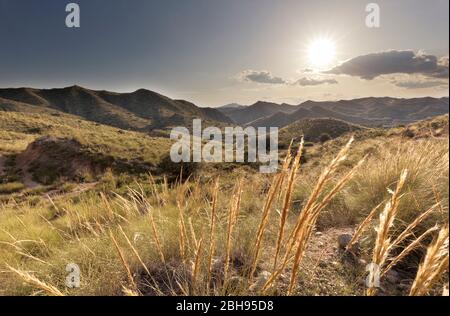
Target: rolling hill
314,129
141,110
45,147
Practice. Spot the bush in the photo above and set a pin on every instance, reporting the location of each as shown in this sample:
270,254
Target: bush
173,170
324,138
46,175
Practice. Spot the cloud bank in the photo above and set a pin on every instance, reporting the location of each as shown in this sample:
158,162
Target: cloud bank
373,65
314,82
419,84
266,77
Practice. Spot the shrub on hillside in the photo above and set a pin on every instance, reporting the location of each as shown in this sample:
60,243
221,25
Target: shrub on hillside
324,137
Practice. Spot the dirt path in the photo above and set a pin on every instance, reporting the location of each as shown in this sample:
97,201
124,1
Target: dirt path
326,270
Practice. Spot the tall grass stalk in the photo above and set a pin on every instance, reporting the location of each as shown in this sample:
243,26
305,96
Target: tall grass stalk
28,278
433,266
301,233
123,261
232,219
287,201
212,240
383,241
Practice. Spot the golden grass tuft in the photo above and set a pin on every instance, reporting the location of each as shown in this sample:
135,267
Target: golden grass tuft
28,278
305,222
433,266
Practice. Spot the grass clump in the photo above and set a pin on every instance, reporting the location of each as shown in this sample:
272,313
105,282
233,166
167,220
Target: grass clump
11,187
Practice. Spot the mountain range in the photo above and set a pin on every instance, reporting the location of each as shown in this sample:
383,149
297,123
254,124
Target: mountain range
148,111
242,115
141,110
364,111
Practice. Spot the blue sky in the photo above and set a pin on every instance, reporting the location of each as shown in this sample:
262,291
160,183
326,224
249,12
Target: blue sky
214,52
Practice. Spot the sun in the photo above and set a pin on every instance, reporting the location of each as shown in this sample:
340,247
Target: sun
321,52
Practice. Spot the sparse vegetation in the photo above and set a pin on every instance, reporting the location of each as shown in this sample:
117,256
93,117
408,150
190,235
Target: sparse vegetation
233,231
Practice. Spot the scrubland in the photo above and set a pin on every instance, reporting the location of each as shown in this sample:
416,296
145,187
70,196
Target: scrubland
216,231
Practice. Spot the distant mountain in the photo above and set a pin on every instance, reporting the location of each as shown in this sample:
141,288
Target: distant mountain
148,111
398,110
231,106
243,115
282,119
142,110
364,111
229,109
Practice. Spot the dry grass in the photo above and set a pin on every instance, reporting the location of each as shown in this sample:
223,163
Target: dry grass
385,241
361,227
287,199
28,278
209,237
212,241
124,262
433,266
305,222
232,220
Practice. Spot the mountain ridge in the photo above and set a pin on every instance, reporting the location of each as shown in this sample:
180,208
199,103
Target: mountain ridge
369,111
148,111
141,110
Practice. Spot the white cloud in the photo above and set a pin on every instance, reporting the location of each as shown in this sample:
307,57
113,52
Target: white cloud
260,77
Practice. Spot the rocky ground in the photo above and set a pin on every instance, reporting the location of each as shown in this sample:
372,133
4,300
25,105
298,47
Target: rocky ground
327,269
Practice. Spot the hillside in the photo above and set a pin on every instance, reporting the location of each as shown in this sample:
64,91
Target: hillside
316,130
142,110
64,145
436,127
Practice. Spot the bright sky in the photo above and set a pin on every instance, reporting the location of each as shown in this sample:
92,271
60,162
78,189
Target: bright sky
218,52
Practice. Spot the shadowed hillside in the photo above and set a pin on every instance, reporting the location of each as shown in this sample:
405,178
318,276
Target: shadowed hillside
142,110
42,148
